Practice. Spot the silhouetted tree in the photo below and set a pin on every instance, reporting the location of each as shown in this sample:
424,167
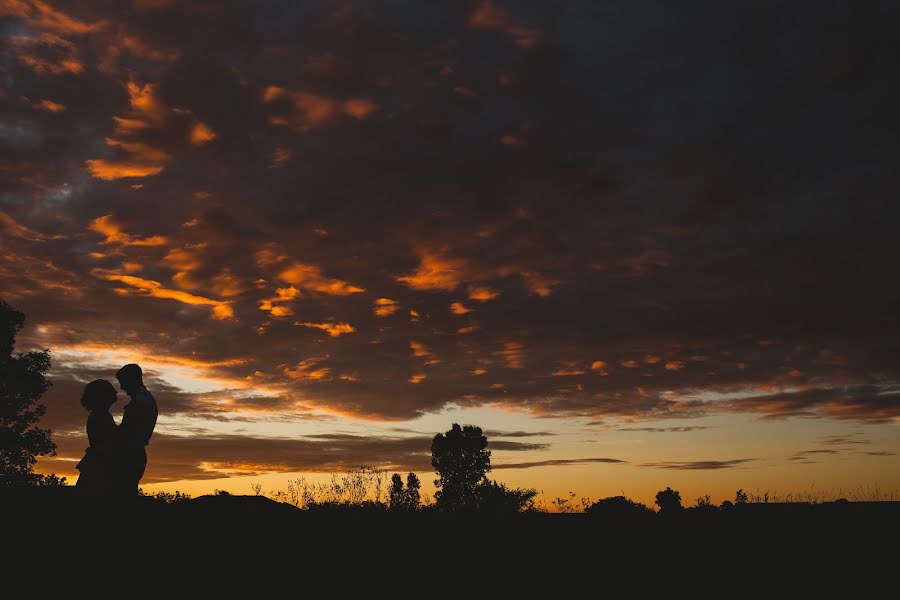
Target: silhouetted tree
412,491
22,383
401,498
461,459
669,501
495,497
740,497
617,507
396,492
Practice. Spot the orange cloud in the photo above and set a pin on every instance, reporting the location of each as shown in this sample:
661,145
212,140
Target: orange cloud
141,160
629,364
283,295
421,351
598,365
308,369
310,111
539,284
9,226
114,235
417,378
201,134
280,157
651,359
42,15
513,353
479,371
467,329
567,372
333,329
482,294
148,287
488,16
435,272
50,106
385,307
674,365
458,308
310,278
226,284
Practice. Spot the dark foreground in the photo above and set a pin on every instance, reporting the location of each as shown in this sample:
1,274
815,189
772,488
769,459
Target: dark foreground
830,546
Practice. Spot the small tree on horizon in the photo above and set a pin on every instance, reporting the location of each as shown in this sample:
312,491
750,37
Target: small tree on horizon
461,459
668,501
401,498
412,491
22,383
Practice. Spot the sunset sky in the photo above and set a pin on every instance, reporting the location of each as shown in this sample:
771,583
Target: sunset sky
642,244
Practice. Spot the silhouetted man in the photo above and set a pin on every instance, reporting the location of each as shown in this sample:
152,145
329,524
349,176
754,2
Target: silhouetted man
136,428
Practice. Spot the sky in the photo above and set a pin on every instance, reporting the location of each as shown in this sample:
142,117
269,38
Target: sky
641,244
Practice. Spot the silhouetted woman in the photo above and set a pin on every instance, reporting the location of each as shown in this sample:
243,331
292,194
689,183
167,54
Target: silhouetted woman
96,468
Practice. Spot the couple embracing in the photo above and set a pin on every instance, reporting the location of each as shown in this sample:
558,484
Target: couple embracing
115,461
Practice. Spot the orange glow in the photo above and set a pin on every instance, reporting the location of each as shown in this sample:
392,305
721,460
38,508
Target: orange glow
144,161
114,235
417,378
482,294
598,365
674,365
148,287
201,134
359,109
280,157
311,111
50,106
435,272
651,359
513,353
385,307
333,329
310,278
282,295
458,308
539,284
629,364
478,371
40,14
308,369
487,16
420,350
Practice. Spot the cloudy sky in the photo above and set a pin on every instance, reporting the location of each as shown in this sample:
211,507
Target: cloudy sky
640,243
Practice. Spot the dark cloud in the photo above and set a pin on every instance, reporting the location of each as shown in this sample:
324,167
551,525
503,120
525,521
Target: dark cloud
805,456
518,434
668,429
557,463
700,465
851,439
648,210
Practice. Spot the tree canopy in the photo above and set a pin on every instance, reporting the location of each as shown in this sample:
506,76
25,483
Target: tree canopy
22,383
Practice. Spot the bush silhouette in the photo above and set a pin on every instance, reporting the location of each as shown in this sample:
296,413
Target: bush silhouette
461,459
618,507
668,501
22,383
495,497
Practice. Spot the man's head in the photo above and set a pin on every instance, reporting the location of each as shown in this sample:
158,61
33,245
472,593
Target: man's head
131,378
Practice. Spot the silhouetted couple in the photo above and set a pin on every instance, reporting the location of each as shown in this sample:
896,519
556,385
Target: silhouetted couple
115,461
